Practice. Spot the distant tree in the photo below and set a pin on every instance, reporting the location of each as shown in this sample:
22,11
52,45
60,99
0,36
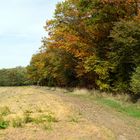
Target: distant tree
14,77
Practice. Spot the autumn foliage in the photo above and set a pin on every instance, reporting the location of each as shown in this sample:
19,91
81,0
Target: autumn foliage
90,43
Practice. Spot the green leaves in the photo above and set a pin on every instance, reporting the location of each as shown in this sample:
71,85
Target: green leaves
101,70
3,123
14,77
125,50
135,81
91,43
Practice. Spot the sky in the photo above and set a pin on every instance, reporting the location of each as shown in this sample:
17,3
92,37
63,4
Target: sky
21,29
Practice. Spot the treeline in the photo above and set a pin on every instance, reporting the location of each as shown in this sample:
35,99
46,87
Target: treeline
93,44
14,77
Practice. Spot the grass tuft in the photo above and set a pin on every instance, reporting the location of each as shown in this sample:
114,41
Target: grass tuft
45,118
47,126
28,118
4,111
74,119
17,122
3,123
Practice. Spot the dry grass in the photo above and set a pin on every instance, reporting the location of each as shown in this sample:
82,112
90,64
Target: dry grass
37,114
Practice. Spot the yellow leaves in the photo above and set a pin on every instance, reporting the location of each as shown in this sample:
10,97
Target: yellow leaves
80,70
102,85
79,43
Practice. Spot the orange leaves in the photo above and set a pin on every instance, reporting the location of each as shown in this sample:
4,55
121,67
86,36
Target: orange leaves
80,31
71,38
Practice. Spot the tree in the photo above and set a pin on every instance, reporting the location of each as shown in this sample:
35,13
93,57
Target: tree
125,50
82,44
14,77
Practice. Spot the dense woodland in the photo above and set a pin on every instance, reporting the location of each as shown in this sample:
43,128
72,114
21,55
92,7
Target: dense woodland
14,77
92,44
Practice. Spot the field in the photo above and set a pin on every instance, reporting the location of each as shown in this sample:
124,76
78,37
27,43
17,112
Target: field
39,113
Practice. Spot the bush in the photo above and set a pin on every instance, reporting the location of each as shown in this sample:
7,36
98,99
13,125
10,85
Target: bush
3,124
135,81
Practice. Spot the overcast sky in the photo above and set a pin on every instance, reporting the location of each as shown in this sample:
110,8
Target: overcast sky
21,29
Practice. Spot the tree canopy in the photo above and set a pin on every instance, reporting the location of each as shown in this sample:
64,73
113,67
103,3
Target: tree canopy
14,77
91,43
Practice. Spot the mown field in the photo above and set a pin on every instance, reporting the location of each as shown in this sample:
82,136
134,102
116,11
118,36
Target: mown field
40,113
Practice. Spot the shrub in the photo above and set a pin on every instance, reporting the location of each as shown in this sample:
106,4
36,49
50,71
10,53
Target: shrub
135,81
